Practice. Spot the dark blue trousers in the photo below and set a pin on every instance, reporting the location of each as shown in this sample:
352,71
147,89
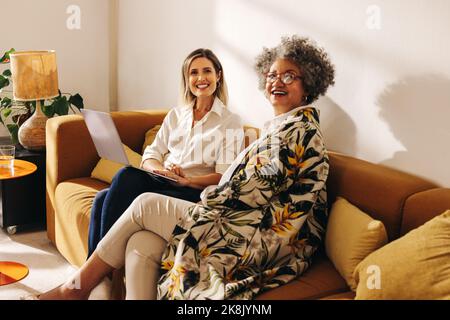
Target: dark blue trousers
127,185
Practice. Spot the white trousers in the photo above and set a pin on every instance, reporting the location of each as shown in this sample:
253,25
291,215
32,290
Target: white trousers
138,240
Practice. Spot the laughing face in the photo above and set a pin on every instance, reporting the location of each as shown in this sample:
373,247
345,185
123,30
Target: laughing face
284,97
202,77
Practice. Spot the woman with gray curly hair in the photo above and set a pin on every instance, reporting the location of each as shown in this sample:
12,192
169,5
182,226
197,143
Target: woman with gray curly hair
311,63
258,228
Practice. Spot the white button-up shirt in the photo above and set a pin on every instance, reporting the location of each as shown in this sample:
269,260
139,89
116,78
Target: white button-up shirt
211,145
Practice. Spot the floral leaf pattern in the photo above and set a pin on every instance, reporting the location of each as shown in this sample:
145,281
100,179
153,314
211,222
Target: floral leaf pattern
282,223
260,229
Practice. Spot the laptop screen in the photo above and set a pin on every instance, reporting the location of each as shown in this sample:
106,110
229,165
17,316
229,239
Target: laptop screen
105,136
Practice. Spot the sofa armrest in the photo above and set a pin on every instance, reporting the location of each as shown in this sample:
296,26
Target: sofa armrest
424,206
71,152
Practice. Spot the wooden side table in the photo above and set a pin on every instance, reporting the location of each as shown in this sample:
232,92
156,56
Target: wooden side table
10,271
21,168
21,196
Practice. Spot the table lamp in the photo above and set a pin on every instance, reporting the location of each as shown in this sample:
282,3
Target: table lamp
34,78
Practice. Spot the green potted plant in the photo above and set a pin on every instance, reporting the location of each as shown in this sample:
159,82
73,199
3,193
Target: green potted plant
14,113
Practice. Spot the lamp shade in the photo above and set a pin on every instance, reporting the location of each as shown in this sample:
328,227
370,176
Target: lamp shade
34,75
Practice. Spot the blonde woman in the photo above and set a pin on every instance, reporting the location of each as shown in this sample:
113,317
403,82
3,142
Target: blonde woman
191,146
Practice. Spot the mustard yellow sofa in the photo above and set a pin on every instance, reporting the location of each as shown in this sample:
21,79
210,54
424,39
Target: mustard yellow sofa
401,201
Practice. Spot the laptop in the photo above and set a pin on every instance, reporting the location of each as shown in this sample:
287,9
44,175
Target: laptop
106,139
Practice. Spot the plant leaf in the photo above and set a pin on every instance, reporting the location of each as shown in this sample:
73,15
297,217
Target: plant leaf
5,58
7,73
77,101
49,111
5,102
61,105
6,112
13,130
4,82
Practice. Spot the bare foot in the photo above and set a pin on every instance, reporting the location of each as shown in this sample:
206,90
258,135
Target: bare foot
64,292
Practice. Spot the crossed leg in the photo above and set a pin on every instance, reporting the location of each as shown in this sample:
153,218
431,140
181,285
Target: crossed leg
151,212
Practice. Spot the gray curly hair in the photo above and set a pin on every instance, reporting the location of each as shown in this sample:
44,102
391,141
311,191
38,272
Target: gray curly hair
314,63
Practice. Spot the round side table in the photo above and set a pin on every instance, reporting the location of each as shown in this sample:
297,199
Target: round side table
19,169
10,271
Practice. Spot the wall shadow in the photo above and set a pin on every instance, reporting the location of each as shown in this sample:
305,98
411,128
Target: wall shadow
338,127
417,110
307,24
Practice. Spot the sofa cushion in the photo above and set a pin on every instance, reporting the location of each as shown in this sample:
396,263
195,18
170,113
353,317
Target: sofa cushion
415,266
150,136
320,280
351,236
377,190
105,170
73,202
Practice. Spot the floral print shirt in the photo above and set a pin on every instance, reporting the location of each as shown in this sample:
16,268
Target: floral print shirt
260,229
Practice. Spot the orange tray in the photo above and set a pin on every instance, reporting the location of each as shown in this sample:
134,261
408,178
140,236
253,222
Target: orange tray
11,272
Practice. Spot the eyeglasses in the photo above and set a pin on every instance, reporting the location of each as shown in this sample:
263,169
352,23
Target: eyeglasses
286,78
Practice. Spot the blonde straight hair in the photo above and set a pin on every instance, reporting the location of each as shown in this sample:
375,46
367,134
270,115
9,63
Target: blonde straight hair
221,92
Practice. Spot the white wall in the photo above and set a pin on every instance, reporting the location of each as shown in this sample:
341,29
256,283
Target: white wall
154,38
82,54
391,102
390,105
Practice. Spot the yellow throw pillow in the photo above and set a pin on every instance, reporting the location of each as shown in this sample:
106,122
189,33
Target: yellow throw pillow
105,170
351,236
150,136
413,267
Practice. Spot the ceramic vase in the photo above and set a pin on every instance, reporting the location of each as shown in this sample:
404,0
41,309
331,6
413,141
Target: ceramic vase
32,132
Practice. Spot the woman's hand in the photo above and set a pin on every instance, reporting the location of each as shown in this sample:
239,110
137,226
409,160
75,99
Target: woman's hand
180,181
176,169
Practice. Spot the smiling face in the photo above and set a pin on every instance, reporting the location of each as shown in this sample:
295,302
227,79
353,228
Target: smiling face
284,97
202,77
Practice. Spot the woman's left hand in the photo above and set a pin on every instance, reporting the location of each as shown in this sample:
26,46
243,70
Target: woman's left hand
180,181
176,169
